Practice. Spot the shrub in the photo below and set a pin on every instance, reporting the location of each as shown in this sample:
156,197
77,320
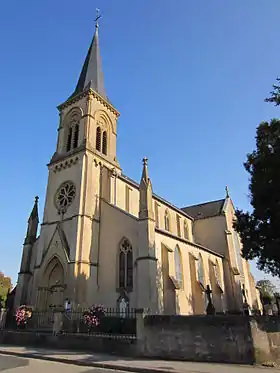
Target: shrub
23,314
93,315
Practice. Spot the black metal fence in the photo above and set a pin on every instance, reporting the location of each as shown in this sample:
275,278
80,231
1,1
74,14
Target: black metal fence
111,323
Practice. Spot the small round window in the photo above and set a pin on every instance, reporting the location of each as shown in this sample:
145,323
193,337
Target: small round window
65,196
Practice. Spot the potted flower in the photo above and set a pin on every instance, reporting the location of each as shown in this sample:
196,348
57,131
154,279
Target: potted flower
92,316
23,315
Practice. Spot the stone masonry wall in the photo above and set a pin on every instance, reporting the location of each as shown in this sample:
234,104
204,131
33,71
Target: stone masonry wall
228,339
196,338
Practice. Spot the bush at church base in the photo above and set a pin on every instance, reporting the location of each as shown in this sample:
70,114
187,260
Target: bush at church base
23,314
93,315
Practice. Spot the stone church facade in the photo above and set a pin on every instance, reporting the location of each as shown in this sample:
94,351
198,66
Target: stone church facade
106,239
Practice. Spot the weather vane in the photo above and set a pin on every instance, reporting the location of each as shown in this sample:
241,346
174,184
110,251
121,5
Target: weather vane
98,16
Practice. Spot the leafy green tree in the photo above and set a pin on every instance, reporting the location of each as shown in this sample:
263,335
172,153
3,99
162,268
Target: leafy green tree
275,94
266,288
5,286
260,230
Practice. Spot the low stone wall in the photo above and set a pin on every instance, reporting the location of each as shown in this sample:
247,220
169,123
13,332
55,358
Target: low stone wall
196,338
227,339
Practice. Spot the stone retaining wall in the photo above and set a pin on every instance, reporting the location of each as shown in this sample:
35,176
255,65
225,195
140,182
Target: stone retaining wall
227,339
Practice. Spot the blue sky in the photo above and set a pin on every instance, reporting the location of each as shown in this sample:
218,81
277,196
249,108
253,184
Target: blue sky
188,76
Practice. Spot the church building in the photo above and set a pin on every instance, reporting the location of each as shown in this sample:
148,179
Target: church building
106,239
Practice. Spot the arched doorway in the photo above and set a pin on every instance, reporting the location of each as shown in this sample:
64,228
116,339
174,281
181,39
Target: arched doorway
51,294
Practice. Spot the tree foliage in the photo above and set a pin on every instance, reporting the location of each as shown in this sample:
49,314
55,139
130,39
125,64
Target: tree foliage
5,286
275,94
266,288
260,230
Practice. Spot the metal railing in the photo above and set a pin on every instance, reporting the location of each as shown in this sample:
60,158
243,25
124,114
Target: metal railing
112,322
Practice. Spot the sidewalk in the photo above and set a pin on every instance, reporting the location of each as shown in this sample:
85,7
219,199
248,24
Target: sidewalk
129,364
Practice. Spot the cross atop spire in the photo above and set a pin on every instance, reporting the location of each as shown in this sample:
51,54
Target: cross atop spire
91,75
98,16
227,192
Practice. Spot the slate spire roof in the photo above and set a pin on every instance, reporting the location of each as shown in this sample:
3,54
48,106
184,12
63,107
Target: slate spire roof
91,75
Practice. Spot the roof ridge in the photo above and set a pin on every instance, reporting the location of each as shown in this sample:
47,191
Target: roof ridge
204,203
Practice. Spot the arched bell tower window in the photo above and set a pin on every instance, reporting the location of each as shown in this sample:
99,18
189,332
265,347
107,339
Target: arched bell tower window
71,128
98,139
69,139
104,143
76,136
125,265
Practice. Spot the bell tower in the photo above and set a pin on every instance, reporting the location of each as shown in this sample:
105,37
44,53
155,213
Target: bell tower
86,146
87,118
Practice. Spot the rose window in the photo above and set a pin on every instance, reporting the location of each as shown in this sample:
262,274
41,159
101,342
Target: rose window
65,196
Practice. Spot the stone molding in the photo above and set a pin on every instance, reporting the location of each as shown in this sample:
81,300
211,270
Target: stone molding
87,94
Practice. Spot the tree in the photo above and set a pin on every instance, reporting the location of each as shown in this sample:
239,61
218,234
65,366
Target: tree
5,286
275,94
266,288
260,230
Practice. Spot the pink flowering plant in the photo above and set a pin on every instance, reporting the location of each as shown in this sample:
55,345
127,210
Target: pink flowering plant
93,315
23,314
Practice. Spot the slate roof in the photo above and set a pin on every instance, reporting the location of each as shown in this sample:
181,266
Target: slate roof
205,210
91,75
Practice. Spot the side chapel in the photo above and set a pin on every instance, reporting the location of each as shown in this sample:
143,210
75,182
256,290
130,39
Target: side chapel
106,239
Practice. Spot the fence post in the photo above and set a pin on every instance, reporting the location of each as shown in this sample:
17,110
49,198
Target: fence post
57,322
3,317
139,314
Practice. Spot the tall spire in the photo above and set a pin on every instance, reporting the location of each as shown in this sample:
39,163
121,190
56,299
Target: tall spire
91,75
146,194
32,224
145,176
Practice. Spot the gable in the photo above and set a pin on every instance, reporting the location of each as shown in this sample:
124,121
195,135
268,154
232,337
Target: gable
58,246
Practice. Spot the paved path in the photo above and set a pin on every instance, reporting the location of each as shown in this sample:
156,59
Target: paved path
13,364
126,364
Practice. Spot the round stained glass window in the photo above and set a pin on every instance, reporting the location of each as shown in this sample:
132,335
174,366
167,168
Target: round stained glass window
65,196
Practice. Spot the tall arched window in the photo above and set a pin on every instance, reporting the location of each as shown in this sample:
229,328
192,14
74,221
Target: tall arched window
186,230
217,273
178,266
104,143
166,221
237,251
125,265
98,138
200,270
76,136
69,139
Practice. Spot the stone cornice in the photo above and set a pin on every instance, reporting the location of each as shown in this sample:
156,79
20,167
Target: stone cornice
153,258
70,158
70,218
89,92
